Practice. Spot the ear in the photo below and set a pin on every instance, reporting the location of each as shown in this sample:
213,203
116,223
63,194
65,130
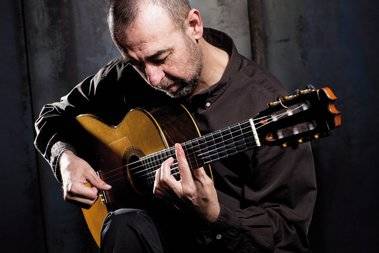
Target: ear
194,25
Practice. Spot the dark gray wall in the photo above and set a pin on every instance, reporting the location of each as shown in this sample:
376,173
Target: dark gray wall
67,40
48,46
21,214
336,43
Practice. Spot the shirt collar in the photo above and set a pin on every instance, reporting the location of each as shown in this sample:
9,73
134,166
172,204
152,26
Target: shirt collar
224,42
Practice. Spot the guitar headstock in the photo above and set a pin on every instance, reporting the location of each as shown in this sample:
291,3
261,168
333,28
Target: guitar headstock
303,116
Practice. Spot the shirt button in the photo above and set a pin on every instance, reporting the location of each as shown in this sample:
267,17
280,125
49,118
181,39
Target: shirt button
207,104
218,236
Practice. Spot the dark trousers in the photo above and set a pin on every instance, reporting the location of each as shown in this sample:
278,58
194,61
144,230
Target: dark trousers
137,231
130,230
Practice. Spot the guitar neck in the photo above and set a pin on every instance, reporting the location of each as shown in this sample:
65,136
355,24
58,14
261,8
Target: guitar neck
212,146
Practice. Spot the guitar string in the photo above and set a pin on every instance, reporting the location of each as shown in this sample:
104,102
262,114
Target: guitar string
149,156
209,148
213,133
224,148
151,175
229,147
216,156
110,177
170,150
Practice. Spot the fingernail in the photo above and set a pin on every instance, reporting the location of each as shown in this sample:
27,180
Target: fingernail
108,186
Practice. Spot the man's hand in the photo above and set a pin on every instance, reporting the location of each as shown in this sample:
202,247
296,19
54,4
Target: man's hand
80,181
195,187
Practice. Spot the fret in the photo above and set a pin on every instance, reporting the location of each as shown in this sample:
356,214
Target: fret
228,136
215,146
222,147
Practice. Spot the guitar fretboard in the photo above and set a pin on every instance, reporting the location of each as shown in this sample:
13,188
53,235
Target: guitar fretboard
204,149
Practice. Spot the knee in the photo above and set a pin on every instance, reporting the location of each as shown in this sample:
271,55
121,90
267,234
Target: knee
126,218
130,229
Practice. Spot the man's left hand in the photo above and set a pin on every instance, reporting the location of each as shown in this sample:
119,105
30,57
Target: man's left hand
196,187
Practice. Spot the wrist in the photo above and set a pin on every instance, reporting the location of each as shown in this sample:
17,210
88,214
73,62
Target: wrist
64,159
57,151
214,213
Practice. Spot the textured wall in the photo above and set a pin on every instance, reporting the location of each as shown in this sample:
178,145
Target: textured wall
335,42
21,216
67,40
284,32
230,17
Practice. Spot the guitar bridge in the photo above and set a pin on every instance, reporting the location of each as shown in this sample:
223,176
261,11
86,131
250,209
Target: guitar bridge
103,195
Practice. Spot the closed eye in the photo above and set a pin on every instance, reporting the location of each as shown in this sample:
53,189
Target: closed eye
159,57
159,61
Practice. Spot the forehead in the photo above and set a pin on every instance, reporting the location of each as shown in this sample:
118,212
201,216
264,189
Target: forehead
152,31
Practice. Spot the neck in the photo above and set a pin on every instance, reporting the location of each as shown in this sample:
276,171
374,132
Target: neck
214,62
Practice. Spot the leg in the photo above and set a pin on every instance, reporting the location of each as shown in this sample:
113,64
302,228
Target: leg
130,230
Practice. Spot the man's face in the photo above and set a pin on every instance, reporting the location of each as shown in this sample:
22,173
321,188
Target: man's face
166,54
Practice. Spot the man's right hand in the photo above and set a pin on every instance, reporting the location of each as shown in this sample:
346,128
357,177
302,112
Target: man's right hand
80,181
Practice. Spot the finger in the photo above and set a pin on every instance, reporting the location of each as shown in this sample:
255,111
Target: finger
184,170
166,169
169,180
78,189
156,180
96,181
159,193
200,173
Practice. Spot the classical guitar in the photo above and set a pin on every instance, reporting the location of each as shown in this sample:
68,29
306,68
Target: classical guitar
127,155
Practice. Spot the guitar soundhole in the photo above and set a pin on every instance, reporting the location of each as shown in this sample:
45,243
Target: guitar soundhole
135,170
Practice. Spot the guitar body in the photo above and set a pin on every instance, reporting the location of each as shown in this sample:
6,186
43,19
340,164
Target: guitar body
139,134
127,156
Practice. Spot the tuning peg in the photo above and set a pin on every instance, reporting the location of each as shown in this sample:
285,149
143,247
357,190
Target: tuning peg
316,136
284,145
300,140
273,104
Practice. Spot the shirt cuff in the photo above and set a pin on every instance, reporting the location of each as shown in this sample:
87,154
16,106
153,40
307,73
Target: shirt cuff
56,152
223,231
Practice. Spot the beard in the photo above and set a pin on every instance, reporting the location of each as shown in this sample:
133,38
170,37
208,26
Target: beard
186,86
183,87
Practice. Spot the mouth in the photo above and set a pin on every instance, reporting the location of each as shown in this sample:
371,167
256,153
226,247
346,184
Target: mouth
172,88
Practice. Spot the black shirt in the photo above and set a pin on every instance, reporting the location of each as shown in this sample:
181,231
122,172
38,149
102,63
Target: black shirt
266,195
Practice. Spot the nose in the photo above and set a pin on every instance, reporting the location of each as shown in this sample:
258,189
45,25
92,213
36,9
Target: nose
154,74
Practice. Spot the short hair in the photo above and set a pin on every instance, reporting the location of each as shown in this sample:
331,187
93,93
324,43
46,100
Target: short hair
122,13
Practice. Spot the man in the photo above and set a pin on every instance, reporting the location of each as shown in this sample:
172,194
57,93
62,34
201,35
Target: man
259,201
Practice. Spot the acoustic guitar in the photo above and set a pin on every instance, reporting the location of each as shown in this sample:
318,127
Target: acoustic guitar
127,155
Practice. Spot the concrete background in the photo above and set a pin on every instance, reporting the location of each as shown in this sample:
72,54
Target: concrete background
49,46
